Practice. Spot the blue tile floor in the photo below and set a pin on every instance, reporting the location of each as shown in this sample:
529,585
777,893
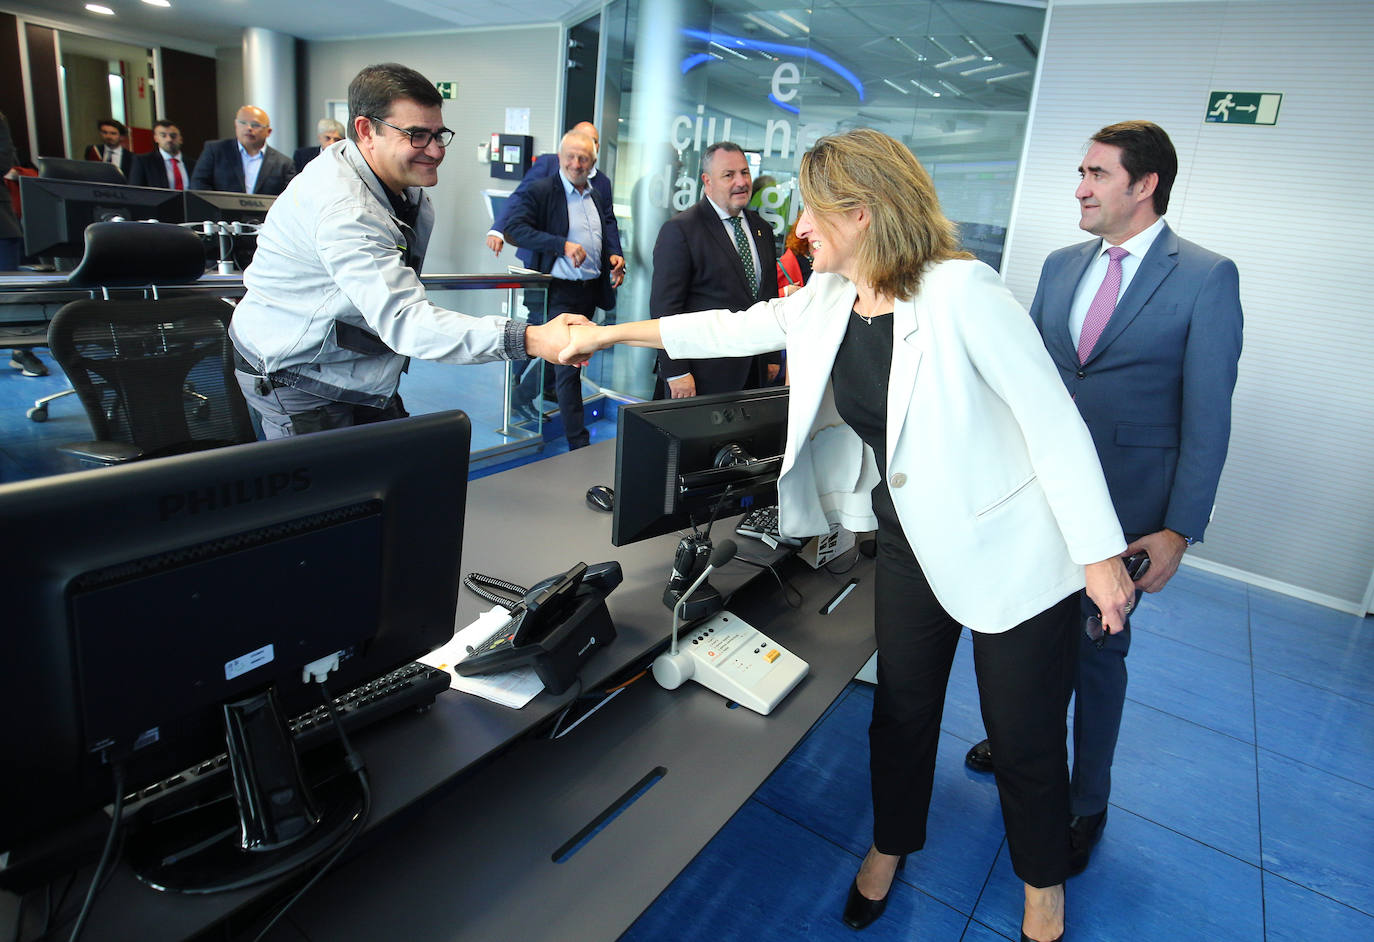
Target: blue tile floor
1243,806
1242,809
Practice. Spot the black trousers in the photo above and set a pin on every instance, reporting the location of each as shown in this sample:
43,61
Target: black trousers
1025,676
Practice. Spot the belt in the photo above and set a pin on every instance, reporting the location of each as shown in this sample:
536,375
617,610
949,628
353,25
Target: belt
244,366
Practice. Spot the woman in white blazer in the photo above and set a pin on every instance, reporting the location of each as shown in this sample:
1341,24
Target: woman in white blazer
923,405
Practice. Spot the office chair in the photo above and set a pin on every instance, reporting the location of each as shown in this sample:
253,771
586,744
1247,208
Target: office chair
130,254
156,377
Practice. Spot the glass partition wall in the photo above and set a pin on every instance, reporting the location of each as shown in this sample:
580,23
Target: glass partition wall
951,79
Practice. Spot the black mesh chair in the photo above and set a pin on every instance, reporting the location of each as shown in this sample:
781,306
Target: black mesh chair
156,377
129,255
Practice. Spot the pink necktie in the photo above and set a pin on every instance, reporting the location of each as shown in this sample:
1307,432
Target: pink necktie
1104,302
176,174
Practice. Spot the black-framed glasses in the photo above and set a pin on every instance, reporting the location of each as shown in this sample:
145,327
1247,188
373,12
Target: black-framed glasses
419,137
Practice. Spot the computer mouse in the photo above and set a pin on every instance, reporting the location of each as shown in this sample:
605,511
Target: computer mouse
601,497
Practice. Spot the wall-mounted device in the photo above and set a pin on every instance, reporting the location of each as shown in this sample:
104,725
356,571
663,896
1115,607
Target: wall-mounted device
511,155
726,654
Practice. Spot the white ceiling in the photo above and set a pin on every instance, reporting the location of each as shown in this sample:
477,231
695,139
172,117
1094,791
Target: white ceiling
219,22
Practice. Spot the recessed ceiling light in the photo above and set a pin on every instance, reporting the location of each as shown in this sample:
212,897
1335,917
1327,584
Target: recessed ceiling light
158,3
748,16
896,86
97,8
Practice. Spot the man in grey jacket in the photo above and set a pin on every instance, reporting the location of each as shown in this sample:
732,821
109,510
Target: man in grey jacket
334,307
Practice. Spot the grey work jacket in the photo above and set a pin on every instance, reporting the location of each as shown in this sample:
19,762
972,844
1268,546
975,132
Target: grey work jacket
334,304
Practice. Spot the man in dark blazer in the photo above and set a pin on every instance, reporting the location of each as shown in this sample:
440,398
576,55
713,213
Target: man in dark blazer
111,148
1152,374
327,131
571,232
230,164
166,166
546,165
715,255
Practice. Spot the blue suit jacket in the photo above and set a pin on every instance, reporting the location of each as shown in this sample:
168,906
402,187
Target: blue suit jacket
544,166
1156,390
304,155
221,168
538,221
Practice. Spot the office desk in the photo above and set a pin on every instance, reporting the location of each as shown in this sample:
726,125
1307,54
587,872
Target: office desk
473,860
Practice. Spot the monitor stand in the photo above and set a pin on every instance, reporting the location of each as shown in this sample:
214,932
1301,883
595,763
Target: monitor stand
273,824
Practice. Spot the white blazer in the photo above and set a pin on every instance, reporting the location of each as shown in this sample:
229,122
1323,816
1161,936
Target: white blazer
992,472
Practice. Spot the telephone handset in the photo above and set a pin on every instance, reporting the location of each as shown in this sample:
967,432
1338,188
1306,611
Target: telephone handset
560,622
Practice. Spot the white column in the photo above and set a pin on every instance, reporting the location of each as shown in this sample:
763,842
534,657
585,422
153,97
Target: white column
269,82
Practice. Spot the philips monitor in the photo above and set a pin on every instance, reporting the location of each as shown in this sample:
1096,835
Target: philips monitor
155,599
240,213
682,463
57,212
86,171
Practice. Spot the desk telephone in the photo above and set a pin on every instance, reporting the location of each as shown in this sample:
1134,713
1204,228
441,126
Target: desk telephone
558,624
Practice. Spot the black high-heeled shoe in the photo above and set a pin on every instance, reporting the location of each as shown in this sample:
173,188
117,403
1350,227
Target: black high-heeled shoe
1026,938
859,910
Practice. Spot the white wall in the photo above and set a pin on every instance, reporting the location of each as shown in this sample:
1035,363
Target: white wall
229,89
1288,203
495,69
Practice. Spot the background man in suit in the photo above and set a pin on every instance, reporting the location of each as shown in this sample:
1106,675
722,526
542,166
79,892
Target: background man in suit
111,148
571,231
546,165
166,166
1152,374
244,163
715,255
327,131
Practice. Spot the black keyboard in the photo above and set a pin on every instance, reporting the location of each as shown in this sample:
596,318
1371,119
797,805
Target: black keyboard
414,685
762,524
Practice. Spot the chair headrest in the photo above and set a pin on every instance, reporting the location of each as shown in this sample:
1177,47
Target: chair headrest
130,254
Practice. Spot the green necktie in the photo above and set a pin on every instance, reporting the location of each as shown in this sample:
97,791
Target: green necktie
742,244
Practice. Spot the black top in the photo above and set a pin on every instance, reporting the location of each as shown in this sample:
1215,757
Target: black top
860,376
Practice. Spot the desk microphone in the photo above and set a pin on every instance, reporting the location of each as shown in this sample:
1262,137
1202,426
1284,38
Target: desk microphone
722,554
728,655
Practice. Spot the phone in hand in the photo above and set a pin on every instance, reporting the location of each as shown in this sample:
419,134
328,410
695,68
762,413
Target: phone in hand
1137,564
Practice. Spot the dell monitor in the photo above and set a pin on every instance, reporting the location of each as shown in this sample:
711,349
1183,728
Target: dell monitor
85,171
57,211
682,463
234,219
156,599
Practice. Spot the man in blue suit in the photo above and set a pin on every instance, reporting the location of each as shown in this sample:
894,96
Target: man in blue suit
570,229
1145,328
546,165
244,163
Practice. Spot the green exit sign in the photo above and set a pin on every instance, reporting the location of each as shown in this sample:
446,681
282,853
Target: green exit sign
1243,107
447,90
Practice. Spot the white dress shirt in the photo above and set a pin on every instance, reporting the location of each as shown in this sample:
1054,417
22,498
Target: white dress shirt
167,161
748,237
251,165
1137,245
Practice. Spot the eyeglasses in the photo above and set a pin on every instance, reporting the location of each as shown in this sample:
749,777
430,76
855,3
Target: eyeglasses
419,137
250,124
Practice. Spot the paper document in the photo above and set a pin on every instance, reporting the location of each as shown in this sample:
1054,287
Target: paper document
508,688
